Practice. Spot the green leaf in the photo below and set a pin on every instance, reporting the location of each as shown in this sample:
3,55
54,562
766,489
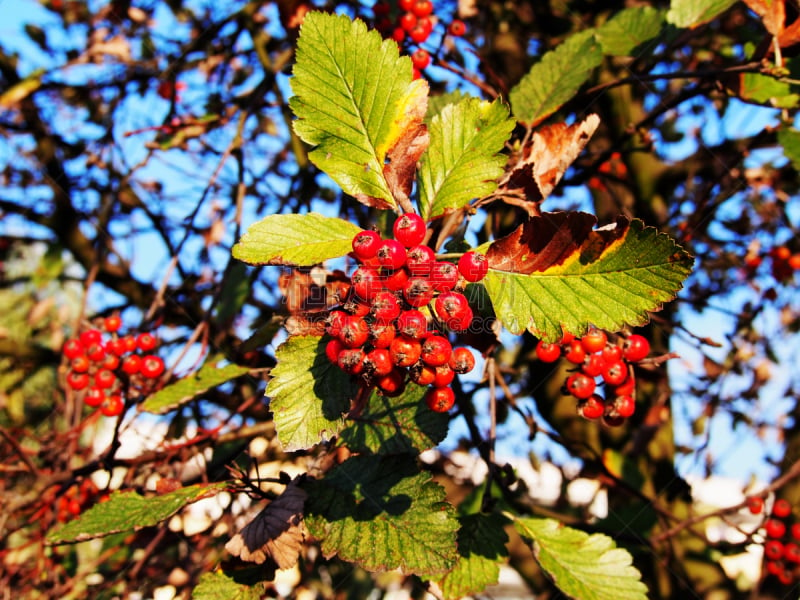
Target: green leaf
766,90
481,548
295,240
462,162
437,103
395,425
555,79
125,511
790,140
308,394
692,13
555,274
383,513
351,92
219,586
209,376
583,566
629,29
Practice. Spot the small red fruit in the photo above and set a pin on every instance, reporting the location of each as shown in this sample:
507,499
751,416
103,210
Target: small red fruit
366,283
110,362
436,351
419,260
422,374
548,352
457,28
444,276
774,528
351,360
354,332
594,365
332,349
365,244
94,396
96,352
593,408
473,266
77,381
773,550
392,384
132,364
146,342
444,376
440,399
461,360
625,406
378,362
381,334
421,31
594,340
405,351
615,373
420,59
408,21
781,508
112,406
152,366
395,281
385,307
412,323
612,353
112,323
409,229
453,309
391,254
104,379
575,352
129,342
636,348
80,364
91,336
581,386
755,504
418,291
73,348
422,8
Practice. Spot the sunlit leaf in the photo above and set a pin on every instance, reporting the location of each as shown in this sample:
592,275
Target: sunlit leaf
555,273
555,78
383,513
583,566
308,394
462,162
763,89
128,510
295,240
352,90
219,586
789,139
693,13
629,29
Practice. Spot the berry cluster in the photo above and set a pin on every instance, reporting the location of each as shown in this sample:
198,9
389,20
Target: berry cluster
75,500
104,370
402,302
600,362
782,544
412,22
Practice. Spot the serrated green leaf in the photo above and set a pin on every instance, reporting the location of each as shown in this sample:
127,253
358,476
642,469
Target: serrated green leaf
583,566
789,139
295,240
629,29
219,586
383,513
351,90
555,274
395,425
128,510
308,394
555,79
209,376
766,90
437,103
693,13
481,548
462,162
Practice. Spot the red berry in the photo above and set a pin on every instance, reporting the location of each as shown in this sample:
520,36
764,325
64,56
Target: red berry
626,387
77,381
333,324
422,374
444,376
593,365
461,360
421,31
332,349
795,531
152,366
592,408
791,552
581,386
112,406
755,505
392,384
354,332
615,373
398,34
548,352
773,550
91,336
405,351
128,343
385,307
80,364
378,362
366,283
453,309
413,324
625,406
395,281
94,396
112,323
73,348
391,254
96,352
418,291
636,348
575,352
104,379
365,244
381,334
457,28
440,399
406,4
612,353
420,59
351,360
407,21
422,8
594,340
444,276
775,528
131,364
110,362
420,260
473,266
436,351
782,508
146,342
409,229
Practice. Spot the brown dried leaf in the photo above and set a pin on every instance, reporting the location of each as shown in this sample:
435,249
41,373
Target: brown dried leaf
553,150
772,13
277,533
403,156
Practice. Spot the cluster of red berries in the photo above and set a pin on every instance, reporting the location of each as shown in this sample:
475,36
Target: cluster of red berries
784,263
104,370
412,21
394,321
75,500
600,361
782,546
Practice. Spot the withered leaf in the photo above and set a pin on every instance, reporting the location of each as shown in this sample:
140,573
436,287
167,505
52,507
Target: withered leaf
772,13
404,154
548,240
277,533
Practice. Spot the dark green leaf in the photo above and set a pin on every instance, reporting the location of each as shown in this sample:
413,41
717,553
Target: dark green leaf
629,29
